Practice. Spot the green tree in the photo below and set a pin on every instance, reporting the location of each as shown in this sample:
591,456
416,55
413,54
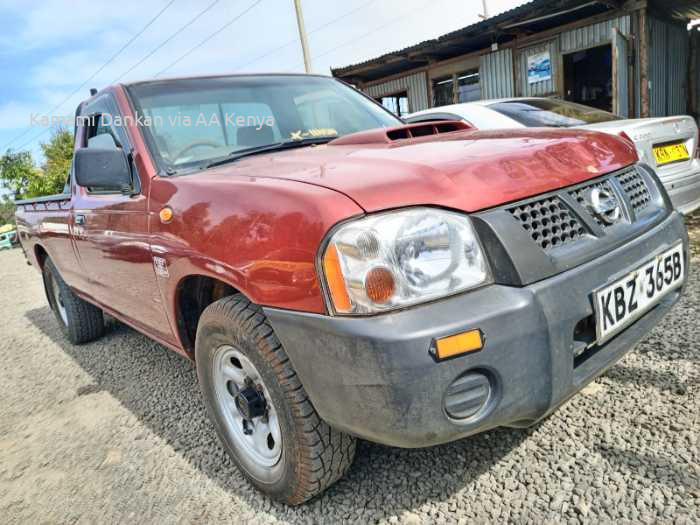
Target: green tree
17,171
7,211
58,155
25,180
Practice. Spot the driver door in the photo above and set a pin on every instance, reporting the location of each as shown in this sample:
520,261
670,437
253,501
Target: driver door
111,233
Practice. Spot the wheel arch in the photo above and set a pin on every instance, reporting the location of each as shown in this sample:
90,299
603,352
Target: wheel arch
193,294
41,255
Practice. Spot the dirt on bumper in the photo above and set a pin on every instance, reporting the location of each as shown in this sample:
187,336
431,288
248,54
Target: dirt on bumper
375,378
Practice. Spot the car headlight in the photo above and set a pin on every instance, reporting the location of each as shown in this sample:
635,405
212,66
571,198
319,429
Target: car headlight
400,258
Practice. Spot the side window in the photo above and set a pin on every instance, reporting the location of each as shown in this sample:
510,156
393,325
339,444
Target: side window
102,134
66,186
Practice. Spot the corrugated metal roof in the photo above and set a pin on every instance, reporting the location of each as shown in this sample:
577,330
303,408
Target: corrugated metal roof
679,9
471,38
536,14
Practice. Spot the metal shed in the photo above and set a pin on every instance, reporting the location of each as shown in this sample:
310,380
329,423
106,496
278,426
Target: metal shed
414,86
612,54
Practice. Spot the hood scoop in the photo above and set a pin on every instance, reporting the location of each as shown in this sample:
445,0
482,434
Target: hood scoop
406,132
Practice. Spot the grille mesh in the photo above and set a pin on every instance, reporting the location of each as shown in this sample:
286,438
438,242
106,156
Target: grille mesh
579,193
636,189
548,221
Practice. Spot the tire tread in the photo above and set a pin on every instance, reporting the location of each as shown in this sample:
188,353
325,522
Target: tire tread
85,320
326,453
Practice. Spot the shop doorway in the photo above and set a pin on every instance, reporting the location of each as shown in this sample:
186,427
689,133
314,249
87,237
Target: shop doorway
588,77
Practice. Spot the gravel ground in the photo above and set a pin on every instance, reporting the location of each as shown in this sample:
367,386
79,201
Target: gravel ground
115,431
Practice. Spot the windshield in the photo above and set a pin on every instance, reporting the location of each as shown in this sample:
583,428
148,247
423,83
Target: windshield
191,122
551,113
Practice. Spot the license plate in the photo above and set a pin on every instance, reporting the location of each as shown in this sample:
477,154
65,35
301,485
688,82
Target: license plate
670,153
621,303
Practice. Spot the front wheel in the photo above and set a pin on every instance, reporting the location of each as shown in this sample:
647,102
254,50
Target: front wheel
260,408
80,321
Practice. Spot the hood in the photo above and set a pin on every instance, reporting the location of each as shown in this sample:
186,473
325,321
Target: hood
465,170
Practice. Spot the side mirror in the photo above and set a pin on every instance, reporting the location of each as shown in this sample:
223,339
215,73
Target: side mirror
103,169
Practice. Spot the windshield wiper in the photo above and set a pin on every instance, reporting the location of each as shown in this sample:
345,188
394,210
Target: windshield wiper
275,146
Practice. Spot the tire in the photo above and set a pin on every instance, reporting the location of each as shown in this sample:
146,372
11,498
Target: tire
311,455
80,321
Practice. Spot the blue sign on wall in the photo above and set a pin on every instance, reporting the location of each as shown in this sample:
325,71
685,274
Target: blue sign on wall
539,67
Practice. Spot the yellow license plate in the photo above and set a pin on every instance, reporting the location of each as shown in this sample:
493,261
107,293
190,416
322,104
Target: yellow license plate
670,153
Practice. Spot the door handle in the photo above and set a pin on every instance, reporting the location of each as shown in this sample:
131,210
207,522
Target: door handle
79,220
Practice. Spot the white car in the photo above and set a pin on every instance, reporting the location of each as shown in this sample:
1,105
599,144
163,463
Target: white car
668,144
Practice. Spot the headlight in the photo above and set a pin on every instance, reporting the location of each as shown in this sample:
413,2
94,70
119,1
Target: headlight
400,258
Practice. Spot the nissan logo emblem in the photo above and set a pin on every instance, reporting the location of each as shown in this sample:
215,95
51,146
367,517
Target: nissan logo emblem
604,205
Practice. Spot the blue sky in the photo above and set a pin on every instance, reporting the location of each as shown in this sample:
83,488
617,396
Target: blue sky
49,48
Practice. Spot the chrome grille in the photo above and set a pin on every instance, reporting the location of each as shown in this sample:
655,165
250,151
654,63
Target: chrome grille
636,189
579,195
549,222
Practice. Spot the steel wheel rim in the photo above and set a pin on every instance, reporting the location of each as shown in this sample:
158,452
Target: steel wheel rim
259,440
58,300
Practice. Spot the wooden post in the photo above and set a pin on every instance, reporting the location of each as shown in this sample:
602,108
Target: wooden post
644,62
694,74
615,65
455,89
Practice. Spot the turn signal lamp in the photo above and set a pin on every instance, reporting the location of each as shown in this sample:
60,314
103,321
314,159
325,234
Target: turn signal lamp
334,279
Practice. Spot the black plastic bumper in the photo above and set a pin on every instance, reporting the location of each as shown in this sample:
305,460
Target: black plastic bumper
373,377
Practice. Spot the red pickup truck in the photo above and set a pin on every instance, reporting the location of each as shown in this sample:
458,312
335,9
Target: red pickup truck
336,273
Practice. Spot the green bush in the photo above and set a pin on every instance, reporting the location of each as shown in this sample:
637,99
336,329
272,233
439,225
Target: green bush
20,174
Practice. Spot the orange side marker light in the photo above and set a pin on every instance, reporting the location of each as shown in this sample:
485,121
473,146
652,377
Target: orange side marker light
454,345
335,281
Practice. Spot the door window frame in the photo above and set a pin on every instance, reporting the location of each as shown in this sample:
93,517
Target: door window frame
106,104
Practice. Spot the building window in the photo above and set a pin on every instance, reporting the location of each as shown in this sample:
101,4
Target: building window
468,86
443,91
397,103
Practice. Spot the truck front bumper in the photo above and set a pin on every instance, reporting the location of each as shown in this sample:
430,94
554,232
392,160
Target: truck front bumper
374,377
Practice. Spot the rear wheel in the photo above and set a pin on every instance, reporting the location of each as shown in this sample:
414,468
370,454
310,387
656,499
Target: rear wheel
80,321
260,408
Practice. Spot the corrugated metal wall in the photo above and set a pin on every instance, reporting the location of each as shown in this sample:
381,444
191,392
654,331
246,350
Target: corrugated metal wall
677,70
504,72
657,68
594,34
544,87
636,69
668,68
496,72
415,85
